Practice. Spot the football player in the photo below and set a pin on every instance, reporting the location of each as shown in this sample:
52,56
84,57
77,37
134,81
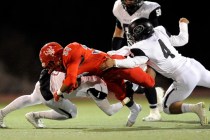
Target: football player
155,44
125,11
77,58
90,86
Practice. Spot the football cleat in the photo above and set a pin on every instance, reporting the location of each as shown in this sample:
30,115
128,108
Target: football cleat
37,123
133,115
199,109
2,125
153,116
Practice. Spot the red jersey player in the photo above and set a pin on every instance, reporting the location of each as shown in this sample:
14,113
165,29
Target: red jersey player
76,59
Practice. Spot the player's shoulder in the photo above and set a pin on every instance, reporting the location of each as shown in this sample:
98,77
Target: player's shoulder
73,45
117,3
151,4
117,6
160,28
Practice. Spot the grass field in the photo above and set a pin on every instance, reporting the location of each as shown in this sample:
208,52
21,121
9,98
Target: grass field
92,124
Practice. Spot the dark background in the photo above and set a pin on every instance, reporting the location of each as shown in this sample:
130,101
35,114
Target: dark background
25,26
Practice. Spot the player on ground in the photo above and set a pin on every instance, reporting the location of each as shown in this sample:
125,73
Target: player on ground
91,86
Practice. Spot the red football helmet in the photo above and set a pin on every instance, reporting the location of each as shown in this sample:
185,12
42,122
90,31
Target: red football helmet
51,56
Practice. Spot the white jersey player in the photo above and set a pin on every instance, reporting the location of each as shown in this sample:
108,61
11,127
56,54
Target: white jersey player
91,86
125,11
186,73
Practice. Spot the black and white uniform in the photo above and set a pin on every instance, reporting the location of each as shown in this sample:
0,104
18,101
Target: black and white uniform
91,86
187,73
150,10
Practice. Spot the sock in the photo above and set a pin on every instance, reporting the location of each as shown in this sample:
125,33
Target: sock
50,114
187,107
18,103
151,96
105,106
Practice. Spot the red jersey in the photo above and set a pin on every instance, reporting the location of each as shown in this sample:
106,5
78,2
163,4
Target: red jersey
78,58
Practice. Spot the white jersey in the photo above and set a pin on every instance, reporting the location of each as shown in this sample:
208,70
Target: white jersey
187,73
125,19
175,40
163,57
56,81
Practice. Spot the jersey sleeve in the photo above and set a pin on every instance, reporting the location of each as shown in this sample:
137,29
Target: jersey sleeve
182,38
136,59
72,61
129,62
154,16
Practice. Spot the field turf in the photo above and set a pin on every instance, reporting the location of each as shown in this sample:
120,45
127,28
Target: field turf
92,124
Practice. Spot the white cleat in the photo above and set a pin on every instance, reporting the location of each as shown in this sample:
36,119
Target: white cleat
199,109
160,93
133,115
2,125
154,116
37,123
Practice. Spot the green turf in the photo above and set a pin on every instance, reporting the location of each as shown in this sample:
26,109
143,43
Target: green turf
92,124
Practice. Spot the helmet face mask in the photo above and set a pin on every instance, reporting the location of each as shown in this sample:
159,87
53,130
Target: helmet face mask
51,56
140,29
131,6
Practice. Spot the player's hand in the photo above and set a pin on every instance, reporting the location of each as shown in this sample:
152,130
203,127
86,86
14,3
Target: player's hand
109,63
185,20
56,97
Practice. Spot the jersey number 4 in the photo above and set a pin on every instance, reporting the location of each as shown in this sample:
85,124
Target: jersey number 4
165,50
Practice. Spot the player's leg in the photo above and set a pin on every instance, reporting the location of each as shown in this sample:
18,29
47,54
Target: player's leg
159,95
151,96
133,106
118,87
21,102
62,110
176,94
100,98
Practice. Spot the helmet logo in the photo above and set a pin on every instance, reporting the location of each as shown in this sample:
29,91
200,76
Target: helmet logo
138,29
50,51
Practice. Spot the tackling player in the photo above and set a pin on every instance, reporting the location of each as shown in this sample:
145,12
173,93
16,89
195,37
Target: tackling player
158,47
77,58
125,11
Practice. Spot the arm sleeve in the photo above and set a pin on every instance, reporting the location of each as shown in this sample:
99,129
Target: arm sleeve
154,16
72,65
182,38
136,61
124,51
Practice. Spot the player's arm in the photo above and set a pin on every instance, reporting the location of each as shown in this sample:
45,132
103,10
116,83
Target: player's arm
124,51
137,60
154,16
183,37
70,81
118,36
